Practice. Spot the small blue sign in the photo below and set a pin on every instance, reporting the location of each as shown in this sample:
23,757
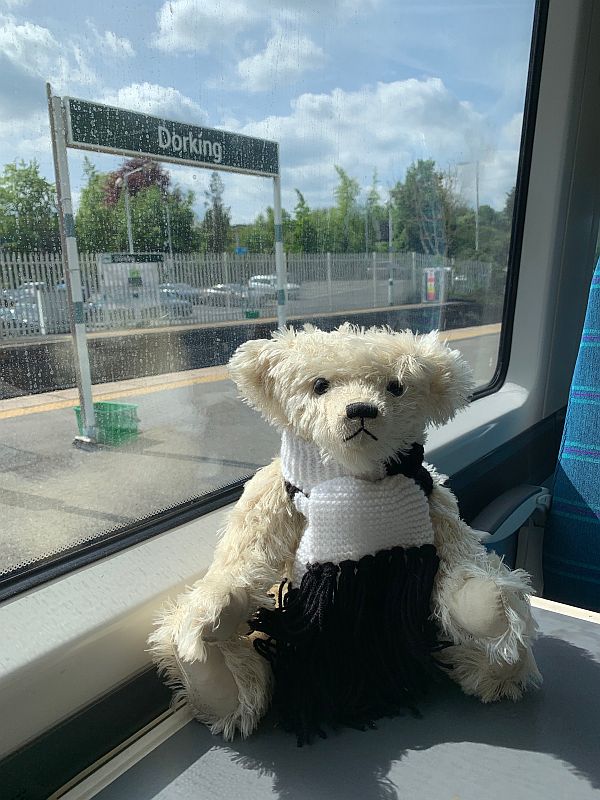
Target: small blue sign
241,251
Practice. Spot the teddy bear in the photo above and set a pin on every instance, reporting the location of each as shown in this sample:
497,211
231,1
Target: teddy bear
380,587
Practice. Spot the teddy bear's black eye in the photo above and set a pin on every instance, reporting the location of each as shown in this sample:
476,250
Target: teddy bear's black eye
320,386
395,387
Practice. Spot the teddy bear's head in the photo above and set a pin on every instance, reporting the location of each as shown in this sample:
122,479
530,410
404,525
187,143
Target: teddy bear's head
360,395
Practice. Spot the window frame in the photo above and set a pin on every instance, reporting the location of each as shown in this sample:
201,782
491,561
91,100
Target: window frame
53,566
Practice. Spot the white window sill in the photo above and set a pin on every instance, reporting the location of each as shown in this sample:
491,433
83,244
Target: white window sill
71,640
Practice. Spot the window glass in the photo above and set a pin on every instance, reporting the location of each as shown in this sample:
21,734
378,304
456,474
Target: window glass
398,127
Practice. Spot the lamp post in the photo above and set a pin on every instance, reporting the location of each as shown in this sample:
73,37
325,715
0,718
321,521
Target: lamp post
466,164
124,180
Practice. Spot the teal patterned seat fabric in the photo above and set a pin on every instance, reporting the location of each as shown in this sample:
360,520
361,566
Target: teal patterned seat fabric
572,538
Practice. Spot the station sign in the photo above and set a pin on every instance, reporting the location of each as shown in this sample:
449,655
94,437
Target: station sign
95,126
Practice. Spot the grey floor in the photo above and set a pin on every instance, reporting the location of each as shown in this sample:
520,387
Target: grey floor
546,746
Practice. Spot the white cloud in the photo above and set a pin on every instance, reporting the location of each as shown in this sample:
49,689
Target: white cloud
204,25
111,44
161,101
284,58
198,25
30,55
118,45
384,127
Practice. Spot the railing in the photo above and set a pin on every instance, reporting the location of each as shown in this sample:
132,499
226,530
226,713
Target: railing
33,295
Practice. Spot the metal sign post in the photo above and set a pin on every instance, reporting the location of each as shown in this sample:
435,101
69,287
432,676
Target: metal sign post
106,129
72,269
280,265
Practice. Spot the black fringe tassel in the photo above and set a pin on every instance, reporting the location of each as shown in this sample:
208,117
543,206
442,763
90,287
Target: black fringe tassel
353,643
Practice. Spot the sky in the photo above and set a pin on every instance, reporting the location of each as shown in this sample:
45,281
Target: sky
369,85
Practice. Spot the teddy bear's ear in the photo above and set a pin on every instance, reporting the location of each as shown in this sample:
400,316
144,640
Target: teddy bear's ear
447,376
252,369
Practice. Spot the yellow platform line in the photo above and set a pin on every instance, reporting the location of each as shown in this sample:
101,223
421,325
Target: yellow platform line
57,405
215,374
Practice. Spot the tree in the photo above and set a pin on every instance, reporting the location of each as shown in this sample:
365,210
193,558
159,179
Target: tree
304,232
149,173
421,203
28,214
348,234
217,220
99,225
101,221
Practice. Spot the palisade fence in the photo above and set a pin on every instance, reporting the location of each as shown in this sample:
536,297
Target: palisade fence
205,288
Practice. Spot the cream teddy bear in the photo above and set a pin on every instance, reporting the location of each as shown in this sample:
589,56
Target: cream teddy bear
381,583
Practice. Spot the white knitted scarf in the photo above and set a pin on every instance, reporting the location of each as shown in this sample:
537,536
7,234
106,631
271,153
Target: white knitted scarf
349,517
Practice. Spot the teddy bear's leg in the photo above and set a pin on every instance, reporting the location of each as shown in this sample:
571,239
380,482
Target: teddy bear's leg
482,608
228,688
489,680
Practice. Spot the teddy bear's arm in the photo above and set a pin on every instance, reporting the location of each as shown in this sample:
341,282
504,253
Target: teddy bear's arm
477,599
260,537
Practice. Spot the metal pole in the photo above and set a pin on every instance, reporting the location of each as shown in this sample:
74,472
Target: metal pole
226,281
280,267
477,206
128,212
169,230
329,286
72,269
374,279
391,278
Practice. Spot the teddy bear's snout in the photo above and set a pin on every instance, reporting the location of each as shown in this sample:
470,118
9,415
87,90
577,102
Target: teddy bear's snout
361,411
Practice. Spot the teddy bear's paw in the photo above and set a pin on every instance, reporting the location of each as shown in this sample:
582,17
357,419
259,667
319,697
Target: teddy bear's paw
208,617
487,604
477,607
492,681
209,686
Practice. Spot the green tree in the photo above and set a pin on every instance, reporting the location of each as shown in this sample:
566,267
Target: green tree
304,232
101,221
377,219
100,227
217,219
348,221
28,216
421,209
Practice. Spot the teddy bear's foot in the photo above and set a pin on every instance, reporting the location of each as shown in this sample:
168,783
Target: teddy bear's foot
491,680
210,688
229,689
484,604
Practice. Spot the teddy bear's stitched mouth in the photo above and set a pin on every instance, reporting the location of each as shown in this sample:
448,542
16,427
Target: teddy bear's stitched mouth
362,429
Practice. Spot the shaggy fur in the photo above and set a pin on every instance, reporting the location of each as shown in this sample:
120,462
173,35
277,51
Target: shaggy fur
477,603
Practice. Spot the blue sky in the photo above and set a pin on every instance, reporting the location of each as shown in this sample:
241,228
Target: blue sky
366,84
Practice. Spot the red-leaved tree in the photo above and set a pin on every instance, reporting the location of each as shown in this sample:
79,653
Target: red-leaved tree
151,174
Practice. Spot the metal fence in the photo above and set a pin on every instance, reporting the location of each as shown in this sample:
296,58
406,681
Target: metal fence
204,288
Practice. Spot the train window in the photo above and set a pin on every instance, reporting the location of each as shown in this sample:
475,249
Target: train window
399,129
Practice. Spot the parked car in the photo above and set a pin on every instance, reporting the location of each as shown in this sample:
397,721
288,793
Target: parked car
8,318
100,310
184,291
223,294
17,316
268,284
174,305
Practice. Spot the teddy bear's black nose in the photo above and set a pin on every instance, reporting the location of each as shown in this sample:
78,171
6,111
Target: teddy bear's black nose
361,410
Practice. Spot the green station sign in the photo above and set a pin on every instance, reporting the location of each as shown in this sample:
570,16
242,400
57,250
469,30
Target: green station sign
94,126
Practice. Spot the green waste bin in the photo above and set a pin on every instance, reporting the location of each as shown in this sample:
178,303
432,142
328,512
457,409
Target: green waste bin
116,423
